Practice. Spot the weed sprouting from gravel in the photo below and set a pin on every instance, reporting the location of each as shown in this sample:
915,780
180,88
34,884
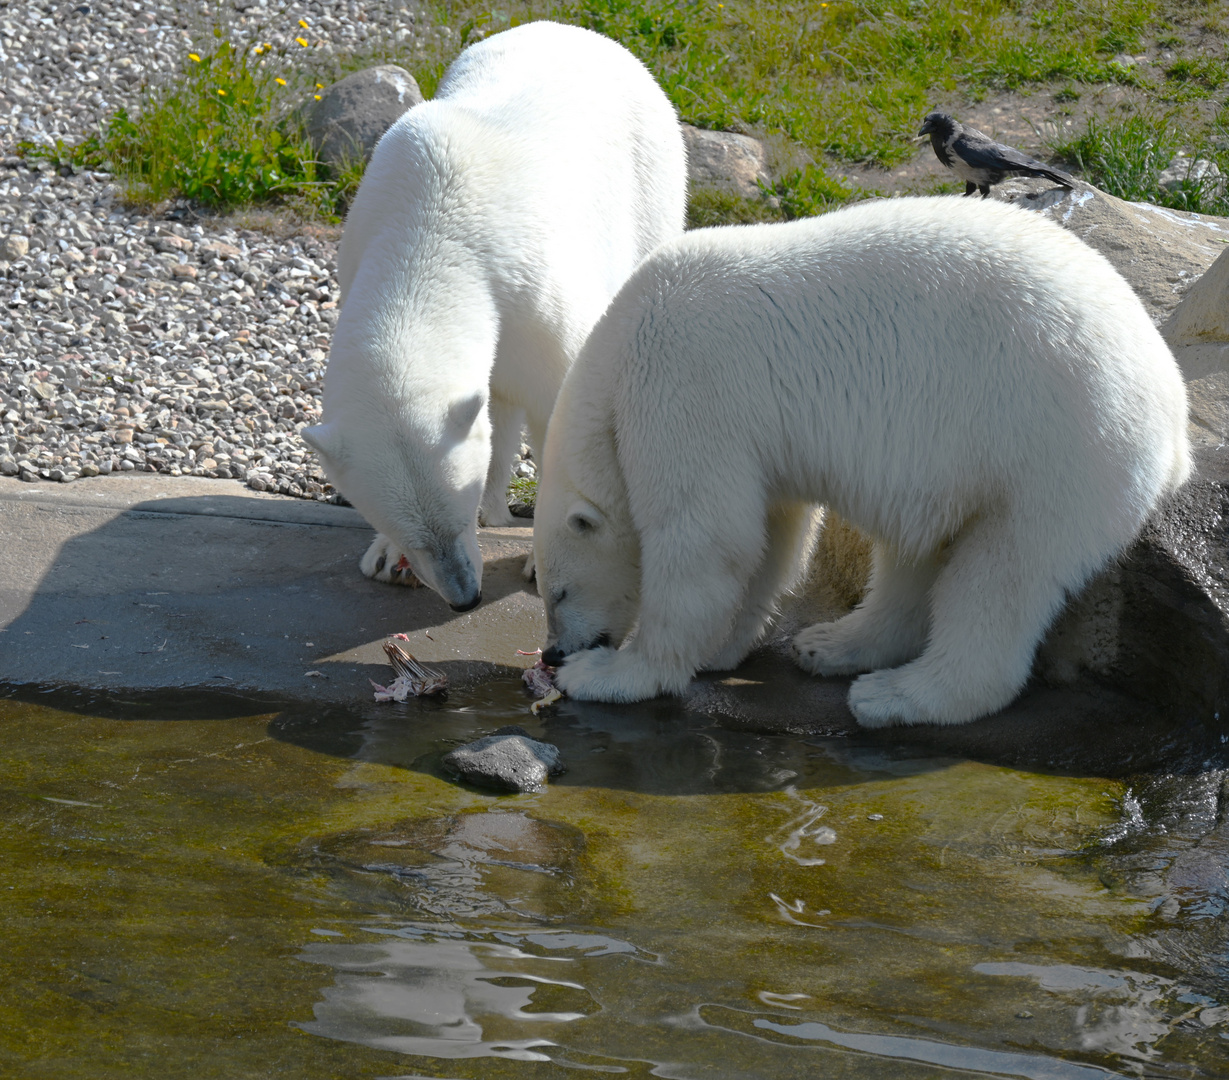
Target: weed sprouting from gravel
222,133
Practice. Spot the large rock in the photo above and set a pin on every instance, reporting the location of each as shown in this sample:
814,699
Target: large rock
508,760
725,160
351,115
1161,252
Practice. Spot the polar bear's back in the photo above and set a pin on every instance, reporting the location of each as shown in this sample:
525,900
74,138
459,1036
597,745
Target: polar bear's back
904,360
549,152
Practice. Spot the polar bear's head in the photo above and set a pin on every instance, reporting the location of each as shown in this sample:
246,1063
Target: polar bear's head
586,549
420,488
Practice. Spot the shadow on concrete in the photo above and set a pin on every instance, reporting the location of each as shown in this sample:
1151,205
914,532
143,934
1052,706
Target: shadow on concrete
237,593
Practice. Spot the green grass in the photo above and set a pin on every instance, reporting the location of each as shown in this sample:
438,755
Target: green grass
1125,158
838,82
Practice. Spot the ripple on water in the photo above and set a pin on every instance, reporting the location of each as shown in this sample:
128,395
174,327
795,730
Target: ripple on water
465,865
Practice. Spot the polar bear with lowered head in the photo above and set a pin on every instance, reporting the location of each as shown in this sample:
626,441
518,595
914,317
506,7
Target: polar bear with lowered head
972,386
491,229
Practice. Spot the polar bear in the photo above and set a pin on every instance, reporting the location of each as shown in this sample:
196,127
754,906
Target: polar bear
491,229
968,383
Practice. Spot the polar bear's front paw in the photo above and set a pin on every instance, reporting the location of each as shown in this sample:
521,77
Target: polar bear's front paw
881,699
385,562
828,649
606,674
529,570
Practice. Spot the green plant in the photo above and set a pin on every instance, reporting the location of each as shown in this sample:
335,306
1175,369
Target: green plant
709,206
523,490
809,191
1125,158
221,134
1192,79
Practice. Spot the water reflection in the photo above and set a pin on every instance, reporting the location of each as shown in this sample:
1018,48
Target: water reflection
971,1059
1124,1013
430,993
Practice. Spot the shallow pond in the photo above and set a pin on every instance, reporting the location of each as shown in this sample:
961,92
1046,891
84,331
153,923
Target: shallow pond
206,891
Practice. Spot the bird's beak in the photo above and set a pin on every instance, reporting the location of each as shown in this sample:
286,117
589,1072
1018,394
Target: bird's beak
921,136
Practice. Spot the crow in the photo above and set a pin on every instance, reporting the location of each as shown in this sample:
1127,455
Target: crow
977,159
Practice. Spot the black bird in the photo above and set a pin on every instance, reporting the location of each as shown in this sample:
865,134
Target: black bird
977,159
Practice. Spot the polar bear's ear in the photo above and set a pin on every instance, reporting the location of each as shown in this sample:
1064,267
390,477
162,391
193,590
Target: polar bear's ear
584,518
326,440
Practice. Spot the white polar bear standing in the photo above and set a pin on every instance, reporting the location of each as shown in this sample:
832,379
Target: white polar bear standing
965,381
491,229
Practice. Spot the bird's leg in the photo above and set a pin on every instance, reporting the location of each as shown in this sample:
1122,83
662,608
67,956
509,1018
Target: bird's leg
969,188
985,191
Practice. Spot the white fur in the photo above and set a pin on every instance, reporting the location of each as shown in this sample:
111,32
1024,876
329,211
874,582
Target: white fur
491,229
965,381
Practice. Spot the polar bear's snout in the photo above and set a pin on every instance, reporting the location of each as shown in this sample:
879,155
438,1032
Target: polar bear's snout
554,655
454,576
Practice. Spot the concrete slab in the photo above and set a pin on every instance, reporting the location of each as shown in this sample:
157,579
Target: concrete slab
148,582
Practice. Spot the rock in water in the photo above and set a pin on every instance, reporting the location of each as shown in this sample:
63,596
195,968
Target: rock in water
509,760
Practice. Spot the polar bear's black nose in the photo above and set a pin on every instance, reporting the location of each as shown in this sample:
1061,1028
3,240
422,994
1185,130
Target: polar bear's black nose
553,656
469,605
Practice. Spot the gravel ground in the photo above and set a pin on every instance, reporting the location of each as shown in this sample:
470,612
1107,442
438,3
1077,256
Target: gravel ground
129,342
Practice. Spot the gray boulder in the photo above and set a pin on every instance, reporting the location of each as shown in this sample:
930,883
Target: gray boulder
724,160
1161,252
509,760
351,115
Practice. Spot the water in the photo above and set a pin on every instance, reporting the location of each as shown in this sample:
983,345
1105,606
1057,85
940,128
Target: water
209,890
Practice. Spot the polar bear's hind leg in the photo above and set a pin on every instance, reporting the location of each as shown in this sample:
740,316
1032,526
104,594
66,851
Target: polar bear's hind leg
887,628
1003,582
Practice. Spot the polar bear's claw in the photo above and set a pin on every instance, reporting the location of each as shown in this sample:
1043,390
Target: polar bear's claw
824,649
879,700
606,674
384,562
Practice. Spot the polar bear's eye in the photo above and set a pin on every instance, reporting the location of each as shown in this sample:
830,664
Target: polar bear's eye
583,520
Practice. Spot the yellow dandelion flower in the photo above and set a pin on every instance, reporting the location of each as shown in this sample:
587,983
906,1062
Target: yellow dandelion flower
268,47
193,56
221,92
317,96
258,50
280,82
319,86
303,23
302,41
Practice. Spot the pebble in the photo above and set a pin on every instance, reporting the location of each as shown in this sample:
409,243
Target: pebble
128,342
